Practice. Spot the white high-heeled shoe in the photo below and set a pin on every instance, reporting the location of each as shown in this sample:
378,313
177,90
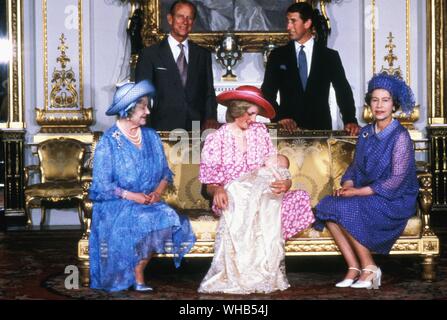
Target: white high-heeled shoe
348,282
142,287
373,281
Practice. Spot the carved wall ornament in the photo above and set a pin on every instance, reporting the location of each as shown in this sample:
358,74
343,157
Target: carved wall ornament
407,120
63,91
390,58
64,112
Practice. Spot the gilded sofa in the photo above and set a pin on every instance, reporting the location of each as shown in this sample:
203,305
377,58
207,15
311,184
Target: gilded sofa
318,160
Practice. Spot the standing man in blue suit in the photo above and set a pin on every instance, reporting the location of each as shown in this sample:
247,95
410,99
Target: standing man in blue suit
302,71
181,73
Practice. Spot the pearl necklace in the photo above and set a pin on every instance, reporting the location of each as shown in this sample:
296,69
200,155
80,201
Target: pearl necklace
134,138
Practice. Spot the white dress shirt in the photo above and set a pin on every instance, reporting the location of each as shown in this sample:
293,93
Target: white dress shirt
308,50
173,44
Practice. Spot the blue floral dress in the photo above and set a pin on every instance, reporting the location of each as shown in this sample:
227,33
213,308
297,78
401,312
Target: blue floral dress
124,232
385,162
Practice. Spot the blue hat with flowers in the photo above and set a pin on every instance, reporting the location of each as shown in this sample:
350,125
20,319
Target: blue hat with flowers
399,90
127,95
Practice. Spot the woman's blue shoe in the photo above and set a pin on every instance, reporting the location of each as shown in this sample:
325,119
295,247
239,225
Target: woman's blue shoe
142,287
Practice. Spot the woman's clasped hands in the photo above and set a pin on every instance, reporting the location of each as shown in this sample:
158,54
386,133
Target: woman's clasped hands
142,198
348,190
345,192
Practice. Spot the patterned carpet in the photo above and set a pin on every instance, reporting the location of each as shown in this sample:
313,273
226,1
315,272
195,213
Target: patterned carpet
32,266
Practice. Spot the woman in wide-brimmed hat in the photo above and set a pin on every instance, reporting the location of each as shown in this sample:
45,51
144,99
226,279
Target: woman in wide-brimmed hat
129,222
379,189
249,249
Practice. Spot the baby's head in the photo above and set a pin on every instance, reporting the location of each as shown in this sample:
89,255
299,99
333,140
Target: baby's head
277,161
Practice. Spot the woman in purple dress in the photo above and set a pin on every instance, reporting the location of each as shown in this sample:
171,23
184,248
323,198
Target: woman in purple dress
379,189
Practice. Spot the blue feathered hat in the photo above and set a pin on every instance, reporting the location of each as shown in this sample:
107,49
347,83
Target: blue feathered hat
127,95
399,90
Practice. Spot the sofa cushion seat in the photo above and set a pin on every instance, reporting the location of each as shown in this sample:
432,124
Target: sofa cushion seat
204,225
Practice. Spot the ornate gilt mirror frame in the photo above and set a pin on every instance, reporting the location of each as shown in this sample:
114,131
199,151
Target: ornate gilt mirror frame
251,41
14,105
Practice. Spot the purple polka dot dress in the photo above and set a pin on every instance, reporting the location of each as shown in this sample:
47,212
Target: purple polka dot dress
386,163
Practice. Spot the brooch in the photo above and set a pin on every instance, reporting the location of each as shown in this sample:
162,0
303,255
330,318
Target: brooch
116,134
365,134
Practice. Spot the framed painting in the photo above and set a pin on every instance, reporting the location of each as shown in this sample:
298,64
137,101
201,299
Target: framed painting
254,22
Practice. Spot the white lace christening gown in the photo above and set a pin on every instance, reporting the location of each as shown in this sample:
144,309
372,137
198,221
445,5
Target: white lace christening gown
249,246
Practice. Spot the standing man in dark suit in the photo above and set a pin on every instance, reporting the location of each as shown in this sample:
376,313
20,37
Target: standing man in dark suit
302,72
181,73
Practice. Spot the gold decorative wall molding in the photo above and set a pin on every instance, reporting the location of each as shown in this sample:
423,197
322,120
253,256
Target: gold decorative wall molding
407,39
436,61
16,85
56,116
81,59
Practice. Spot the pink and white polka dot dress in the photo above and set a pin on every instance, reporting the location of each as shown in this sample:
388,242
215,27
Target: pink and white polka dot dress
222,162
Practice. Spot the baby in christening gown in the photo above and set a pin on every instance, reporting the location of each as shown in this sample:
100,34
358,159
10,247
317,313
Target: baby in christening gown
248,189
249,249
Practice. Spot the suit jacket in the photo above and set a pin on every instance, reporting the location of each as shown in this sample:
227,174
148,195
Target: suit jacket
176,106
310,107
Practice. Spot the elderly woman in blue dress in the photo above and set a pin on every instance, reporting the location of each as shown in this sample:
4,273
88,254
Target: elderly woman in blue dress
129,222
378,190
